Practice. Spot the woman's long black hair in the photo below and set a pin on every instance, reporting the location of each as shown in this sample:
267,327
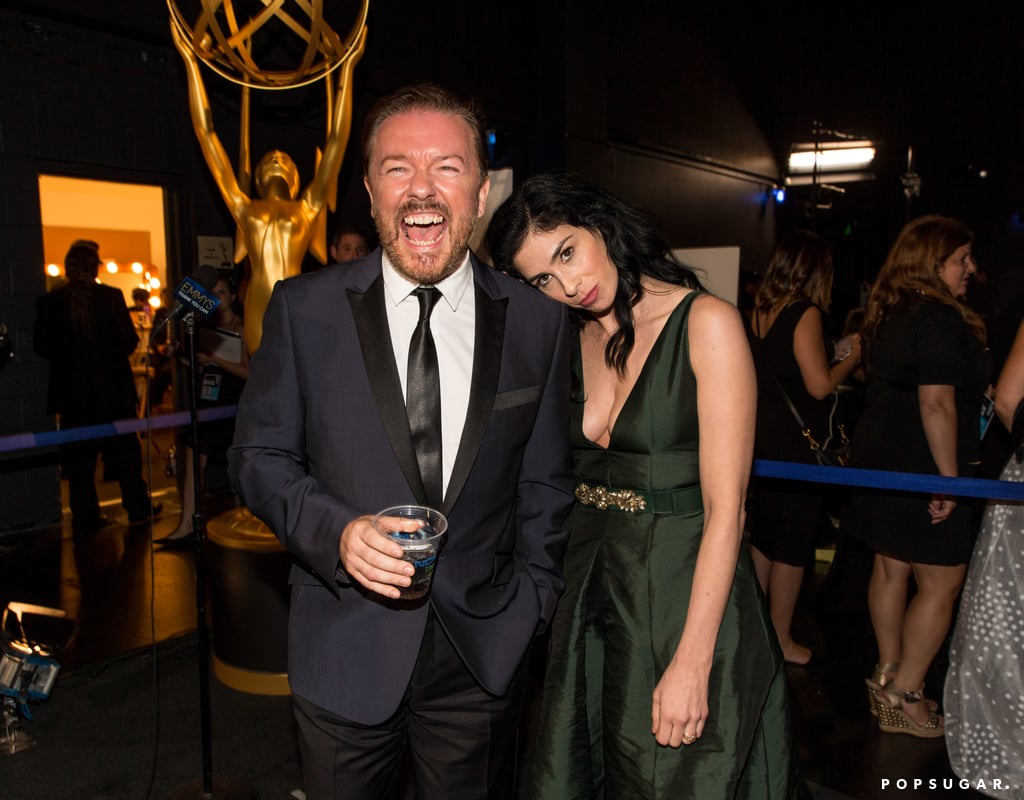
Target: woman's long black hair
635,246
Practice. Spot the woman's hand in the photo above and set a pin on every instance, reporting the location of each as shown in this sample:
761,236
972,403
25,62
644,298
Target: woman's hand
680,706
941,507
937,405
848,346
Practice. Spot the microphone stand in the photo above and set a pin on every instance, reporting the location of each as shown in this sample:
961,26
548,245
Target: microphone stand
198,532
202,633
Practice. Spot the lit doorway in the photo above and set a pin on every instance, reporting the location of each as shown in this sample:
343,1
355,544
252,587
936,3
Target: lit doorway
125,219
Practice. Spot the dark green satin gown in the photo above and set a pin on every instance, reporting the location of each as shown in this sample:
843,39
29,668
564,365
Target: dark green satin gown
628,580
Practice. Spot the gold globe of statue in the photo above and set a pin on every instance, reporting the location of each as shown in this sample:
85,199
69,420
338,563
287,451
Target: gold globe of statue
233,37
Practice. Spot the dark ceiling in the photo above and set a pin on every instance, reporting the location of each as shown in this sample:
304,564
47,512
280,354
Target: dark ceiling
945,82
942,81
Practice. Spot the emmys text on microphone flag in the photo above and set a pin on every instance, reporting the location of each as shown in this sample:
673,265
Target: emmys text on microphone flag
196,297
194,294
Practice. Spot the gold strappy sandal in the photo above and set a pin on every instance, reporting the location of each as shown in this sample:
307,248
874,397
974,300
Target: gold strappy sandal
893,719
879,679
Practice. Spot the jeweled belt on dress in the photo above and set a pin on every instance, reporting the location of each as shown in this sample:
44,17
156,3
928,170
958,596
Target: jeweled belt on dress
686,500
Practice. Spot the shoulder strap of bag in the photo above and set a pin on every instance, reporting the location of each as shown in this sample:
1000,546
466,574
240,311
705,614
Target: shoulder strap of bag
806,431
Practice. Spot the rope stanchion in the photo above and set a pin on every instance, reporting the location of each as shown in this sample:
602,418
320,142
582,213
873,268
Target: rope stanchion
31,441
894,481
842,476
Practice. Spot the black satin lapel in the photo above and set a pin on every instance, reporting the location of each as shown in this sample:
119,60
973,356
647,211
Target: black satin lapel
490,334
372,325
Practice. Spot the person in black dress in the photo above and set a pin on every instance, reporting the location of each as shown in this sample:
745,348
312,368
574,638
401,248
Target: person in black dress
927,368
223,376
791,355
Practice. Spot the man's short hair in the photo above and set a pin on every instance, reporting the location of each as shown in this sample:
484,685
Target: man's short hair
425,97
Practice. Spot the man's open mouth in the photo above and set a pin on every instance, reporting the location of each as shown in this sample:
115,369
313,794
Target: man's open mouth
425,228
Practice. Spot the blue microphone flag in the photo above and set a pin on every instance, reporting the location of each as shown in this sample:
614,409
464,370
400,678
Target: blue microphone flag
196,297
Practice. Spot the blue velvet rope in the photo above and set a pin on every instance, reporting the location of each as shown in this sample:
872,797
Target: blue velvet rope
895,481
31,441
841,476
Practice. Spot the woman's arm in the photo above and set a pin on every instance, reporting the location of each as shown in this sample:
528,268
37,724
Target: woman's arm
820,379
239,369
726,409
1010,387
937,403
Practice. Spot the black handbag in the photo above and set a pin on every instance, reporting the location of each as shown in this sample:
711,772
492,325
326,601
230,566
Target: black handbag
835,450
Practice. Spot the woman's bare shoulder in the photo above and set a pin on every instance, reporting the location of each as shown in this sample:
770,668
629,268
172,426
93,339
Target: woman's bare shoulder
708,310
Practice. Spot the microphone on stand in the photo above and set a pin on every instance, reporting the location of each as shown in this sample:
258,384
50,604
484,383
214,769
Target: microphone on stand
194,294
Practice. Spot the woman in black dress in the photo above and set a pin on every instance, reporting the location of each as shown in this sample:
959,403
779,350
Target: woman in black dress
927,368
791,355
221,383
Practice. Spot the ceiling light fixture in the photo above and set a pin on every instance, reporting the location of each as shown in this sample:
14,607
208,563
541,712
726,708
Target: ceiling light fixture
831,156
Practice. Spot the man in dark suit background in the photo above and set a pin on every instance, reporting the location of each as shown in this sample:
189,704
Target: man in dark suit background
323,441
85,331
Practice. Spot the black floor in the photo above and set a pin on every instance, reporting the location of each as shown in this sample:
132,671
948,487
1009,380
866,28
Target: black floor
123,720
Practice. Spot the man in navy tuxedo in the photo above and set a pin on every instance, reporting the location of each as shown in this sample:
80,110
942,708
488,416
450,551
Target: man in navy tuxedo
324,440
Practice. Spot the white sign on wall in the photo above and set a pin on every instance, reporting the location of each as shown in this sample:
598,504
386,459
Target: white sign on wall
717,267
217,251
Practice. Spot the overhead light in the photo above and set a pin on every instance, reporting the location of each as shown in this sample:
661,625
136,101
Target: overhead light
830,157
828,178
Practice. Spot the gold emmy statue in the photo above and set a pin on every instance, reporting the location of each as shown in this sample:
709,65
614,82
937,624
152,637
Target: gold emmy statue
276,228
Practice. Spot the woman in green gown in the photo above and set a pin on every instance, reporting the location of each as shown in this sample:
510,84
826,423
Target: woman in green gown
664,677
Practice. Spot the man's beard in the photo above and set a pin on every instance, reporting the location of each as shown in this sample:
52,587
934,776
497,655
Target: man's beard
427,268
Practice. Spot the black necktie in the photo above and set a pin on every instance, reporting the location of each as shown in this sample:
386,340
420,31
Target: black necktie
423,398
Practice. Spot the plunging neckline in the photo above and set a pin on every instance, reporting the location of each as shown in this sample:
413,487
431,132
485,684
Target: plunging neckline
686,300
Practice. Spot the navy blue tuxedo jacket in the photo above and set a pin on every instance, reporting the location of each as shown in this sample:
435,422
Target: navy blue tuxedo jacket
322,437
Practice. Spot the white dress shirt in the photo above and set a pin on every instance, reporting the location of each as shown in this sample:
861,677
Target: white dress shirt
453,325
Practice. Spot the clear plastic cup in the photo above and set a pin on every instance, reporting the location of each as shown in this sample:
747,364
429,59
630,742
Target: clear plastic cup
420,545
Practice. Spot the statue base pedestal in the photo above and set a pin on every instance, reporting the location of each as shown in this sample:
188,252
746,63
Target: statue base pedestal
248,603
